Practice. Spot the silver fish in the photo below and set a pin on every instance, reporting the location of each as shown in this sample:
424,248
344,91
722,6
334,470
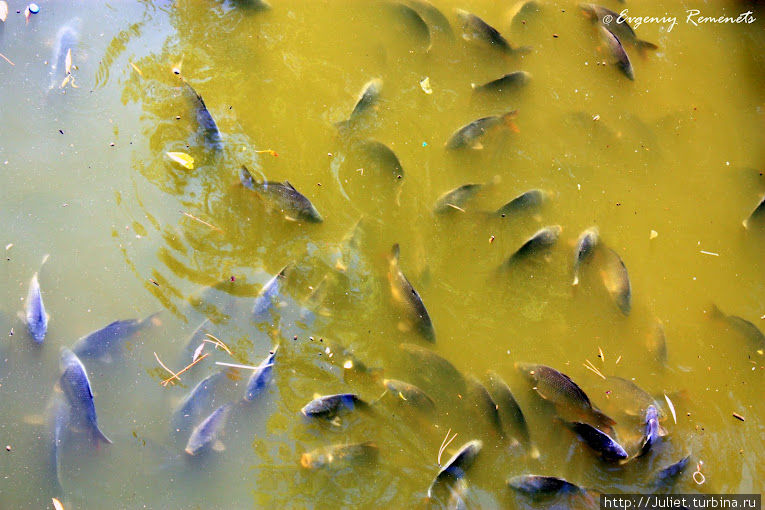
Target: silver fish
108,341
76,386
260,377
283,197
617,281
542,239
198,399
206,124
35,316
651,434
59,420
585,245
617,52
468,136
268,294
205,435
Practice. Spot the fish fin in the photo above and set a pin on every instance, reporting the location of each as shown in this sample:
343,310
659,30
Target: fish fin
218,446
662,431
100,436
642,46
283,272
533,451
290,186
576,281
477,145
151,320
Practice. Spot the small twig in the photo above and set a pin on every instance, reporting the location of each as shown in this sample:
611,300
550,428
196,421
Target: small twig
7,59
709,253
162,364
445,444
246,367
267,151
602,356
456,207
618,360
176,376
671,408
203,222
593,369
217,342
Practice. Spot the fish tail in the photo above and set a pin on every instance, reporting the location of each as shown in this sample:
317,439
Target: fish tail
508,117
533,451
394,253
642,46
149,320
100,436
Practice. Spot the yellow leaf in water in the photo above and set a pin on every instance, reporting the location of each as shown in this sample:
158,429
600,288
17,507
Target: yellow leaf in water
68,61
182,159
3,11
57,504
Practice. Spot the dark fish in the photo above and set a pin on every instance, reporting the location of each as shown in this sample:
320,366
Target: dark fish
34,312
506,83
328,406
617,281
468,136
107,342
667,475
282,196
339,455
194,403
742,326
76,386
385,156
510,411
413,22
531,199
67,38
410,394
537,486
559,389
521,9
269,293
756,215
476,29
657,342
600,442
617,52
484,404
434,368
585,246
455,468
454,200
210,132
369,95
408,299
651,432
261,376
433,16
542,239
616,25
205,435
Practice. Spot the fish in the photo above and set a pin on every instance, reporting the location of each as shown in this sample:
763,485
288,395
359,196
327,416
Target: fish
537,486
651,432
413,22
410,394
531,199
339,455
370,94
667,475
628,396
484,404
510,411
205,435
617,52
269,292
35,316
476,29
283,197
67,38
657,342
388,160
585,246
457,492
506,83
455,199
455,467
76,386
564,393
468,135
59,420
260,377
616,279
209,129
434,368
756,215
408,300
741,326
197,400
328,406
544,238
600,442
108,341
617,25
522,8
435,18
197,337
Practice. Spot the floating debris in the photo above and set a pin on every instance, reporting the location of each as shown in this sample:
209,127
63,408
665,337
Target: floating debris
182,159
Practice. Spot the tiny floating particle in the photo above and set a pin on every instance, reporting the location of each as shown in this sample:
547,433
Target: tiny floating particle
425,85
738,417
653,235
34,8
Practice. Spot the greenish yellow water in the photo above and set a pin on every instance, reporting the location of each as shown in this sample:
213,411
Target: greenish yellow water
678,151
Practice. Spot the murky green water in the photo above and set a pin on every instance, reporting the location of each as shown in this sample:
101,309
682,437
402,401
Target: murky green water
86,179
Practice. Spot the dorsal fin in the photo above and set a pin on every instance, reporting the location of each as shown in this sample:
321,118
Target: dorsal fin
290,186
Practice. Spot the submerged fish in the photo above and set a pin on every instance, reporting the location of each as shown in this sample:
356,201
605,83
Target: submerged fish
433,16
408,299
195,402
667,475
369,95
67,38
328,406
542,239
209,129
282,196
537,486
34,312
435,369
339,455
757,214
510,411
76,386
469,135
627,396
59,424
617,281
205,435
521,9
269,293
410,394
261,376
657,342
506,83
617,52
413,22
600,442
385,156
533,198
585,246
615,24
651,433
742,326
108,341
455,467
476,29
195,339
455,199
484,404
559,389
